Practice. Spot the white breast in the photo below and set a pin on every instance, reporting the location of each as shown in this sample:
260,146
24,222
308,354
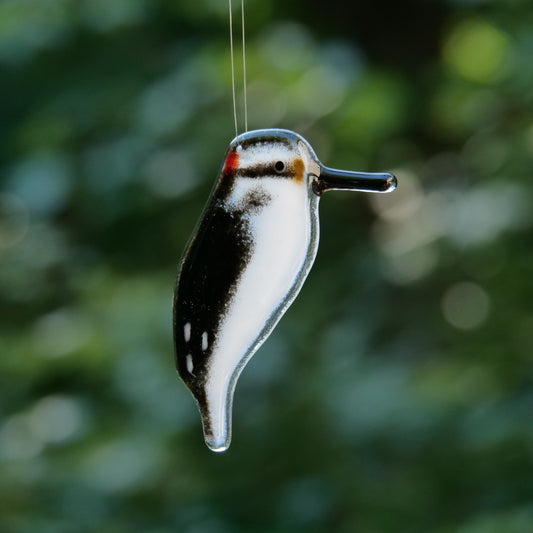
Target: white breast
281,257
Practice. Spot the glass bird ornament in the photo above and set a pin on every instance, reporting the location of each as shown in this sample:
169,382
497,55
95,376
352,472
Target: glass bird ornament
247,260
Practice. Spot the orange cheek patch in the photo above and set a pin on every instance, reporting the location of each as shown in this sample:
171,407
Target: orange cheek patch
232,162
298,168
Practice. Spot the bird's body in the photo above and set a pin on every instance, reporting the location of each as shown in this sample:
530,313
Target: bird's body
251,252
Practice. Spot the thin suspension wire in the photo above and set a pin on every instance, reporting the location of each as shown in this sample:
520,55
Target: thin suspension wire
244,69
232,68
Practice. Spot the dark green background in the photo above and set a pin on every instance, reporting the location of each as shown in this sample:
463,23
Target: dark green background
395,395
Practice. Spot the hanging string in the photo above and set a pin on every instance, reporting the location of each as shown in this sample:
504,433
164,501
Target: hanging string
244,69
245,98
232,67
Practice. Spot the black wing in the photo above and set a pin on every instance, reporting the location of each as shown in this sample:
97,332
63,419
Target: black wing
210,271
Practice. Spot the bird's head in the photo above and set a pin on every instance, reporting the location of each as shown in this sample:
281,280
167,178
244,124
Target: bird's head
284,155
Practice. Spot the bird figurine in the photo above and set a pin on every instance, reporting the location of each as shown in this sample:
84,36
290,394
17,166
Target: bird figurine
247,260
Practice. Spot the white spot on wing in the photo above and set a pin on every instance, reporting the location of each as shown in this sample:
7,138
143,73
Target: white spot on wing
187,332
204,341
190,366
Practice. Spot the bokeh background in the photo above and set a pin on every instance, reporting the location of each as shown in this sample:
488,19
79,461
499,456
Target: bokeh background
395,395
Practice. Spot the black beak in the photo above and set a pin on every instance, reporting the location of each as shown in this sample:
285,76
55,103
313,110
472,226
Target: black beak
331,179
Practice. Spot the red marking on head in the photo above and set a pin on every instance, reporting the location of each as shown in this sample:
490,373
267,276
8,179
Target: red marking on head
232,162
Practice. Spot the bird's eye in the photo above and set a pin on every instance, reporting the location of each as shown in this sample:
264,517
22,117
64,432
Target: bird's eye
279,166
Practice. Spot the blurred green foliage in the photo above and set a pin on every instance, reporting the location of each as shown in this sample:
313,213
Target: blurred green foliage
395,395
